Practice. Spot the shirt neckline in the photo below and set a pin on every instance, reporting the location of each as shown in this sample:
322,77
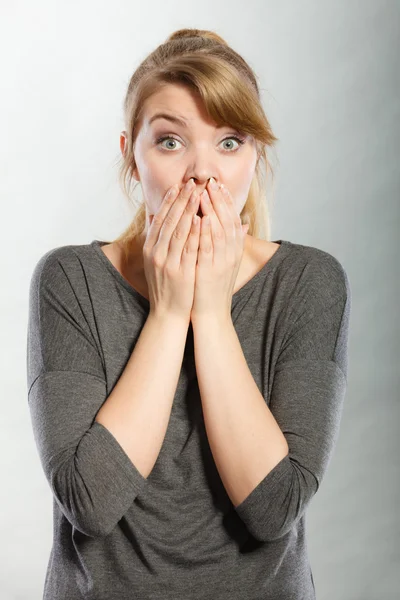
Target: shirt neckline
278,256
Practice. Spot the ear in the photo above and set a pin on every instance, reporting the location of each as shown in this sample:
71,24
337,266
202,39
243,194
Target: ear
135,174
123,144
123,139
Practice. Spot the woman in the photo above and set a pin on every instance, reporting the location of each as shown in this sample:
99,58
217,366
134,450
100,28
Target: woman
186,381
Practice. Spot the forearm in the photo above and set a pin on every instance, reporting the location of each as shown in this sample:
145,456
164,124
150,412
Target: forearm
244,437
138,409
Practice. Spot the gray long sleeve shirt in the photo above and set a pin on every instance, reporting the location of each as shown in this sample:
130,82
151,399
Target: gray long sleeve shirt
176,535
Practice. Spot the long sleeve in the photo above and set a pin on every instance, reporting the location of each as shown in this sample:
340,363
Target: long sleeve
92,479
307,394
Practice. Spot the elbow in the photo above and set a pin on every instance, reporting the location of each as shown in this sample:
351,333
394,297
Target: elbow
92,493
276,505
92,527
77,505
89,525
270,533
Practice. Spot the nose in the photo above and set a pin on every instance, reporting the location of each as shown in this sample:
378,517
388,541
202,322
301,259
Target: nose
201,186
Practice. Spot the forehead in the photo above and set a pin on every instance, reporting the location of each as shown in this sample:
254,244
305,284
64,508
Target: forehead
177,104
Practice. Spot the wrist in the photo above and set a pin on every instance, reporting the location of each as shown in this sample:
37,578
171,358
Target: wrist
167,319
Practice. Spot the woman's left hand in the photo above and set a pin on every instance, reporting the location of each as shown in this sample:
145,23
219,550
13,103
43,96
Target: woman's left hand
219,256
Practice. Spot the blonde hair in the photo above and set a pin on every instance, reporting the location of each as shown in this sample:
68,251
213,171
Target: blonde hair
202,61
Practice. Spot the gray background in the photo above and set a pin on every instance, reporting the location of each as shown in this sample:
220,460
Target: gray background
329,73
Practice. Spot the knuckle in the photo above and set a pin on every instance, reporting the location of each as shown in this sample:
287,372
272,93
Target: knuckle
177,234
170,270
171,196
157,259
169,219
157,219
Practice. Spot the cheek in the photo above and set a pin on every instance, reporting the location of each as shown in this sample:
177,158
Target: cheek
153,196
239,182
155,178
240,193
154,186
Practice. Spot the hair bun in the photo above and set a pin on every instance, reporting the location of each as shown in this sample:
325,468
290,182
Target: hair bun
200,33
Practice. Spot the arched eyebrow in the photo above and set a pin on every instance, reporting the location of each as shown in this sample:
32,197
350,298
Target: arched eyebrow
172,118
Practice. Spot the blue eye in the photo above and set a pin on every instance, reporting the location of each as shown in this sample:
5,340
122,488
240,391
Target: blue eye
240,141
166,137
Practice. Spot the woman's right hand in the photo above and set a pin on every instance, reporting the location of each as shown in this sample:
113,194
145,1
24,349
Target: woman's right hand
170,253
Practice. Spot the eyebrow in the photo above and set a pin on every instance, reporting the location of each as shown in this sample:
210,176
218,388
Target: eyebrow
171,118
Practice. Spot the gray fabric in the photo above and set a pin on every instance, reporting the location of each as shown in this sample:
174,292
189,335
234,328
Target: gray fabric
176,534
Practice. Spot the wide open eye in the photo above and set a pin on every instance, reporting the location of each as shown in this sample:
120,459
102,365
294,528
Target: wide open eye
239,140
166,137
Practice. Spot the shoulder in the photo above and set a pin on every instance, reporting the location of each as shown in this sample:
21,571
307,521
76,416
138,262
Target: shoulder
316,307
316,274
57,265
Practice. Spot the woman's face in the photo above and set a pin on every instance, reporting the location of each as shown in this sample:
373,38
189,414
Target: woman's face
194,149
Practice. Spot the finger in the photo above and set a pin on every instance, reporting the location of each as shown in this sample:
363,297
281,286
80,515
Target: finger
190,251
239,233
231,207
221,211
205,242
169,214
217,231
157,219
181,232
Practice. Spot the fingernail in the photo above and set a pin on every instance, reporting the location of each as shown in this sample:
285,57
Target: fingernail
213,184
